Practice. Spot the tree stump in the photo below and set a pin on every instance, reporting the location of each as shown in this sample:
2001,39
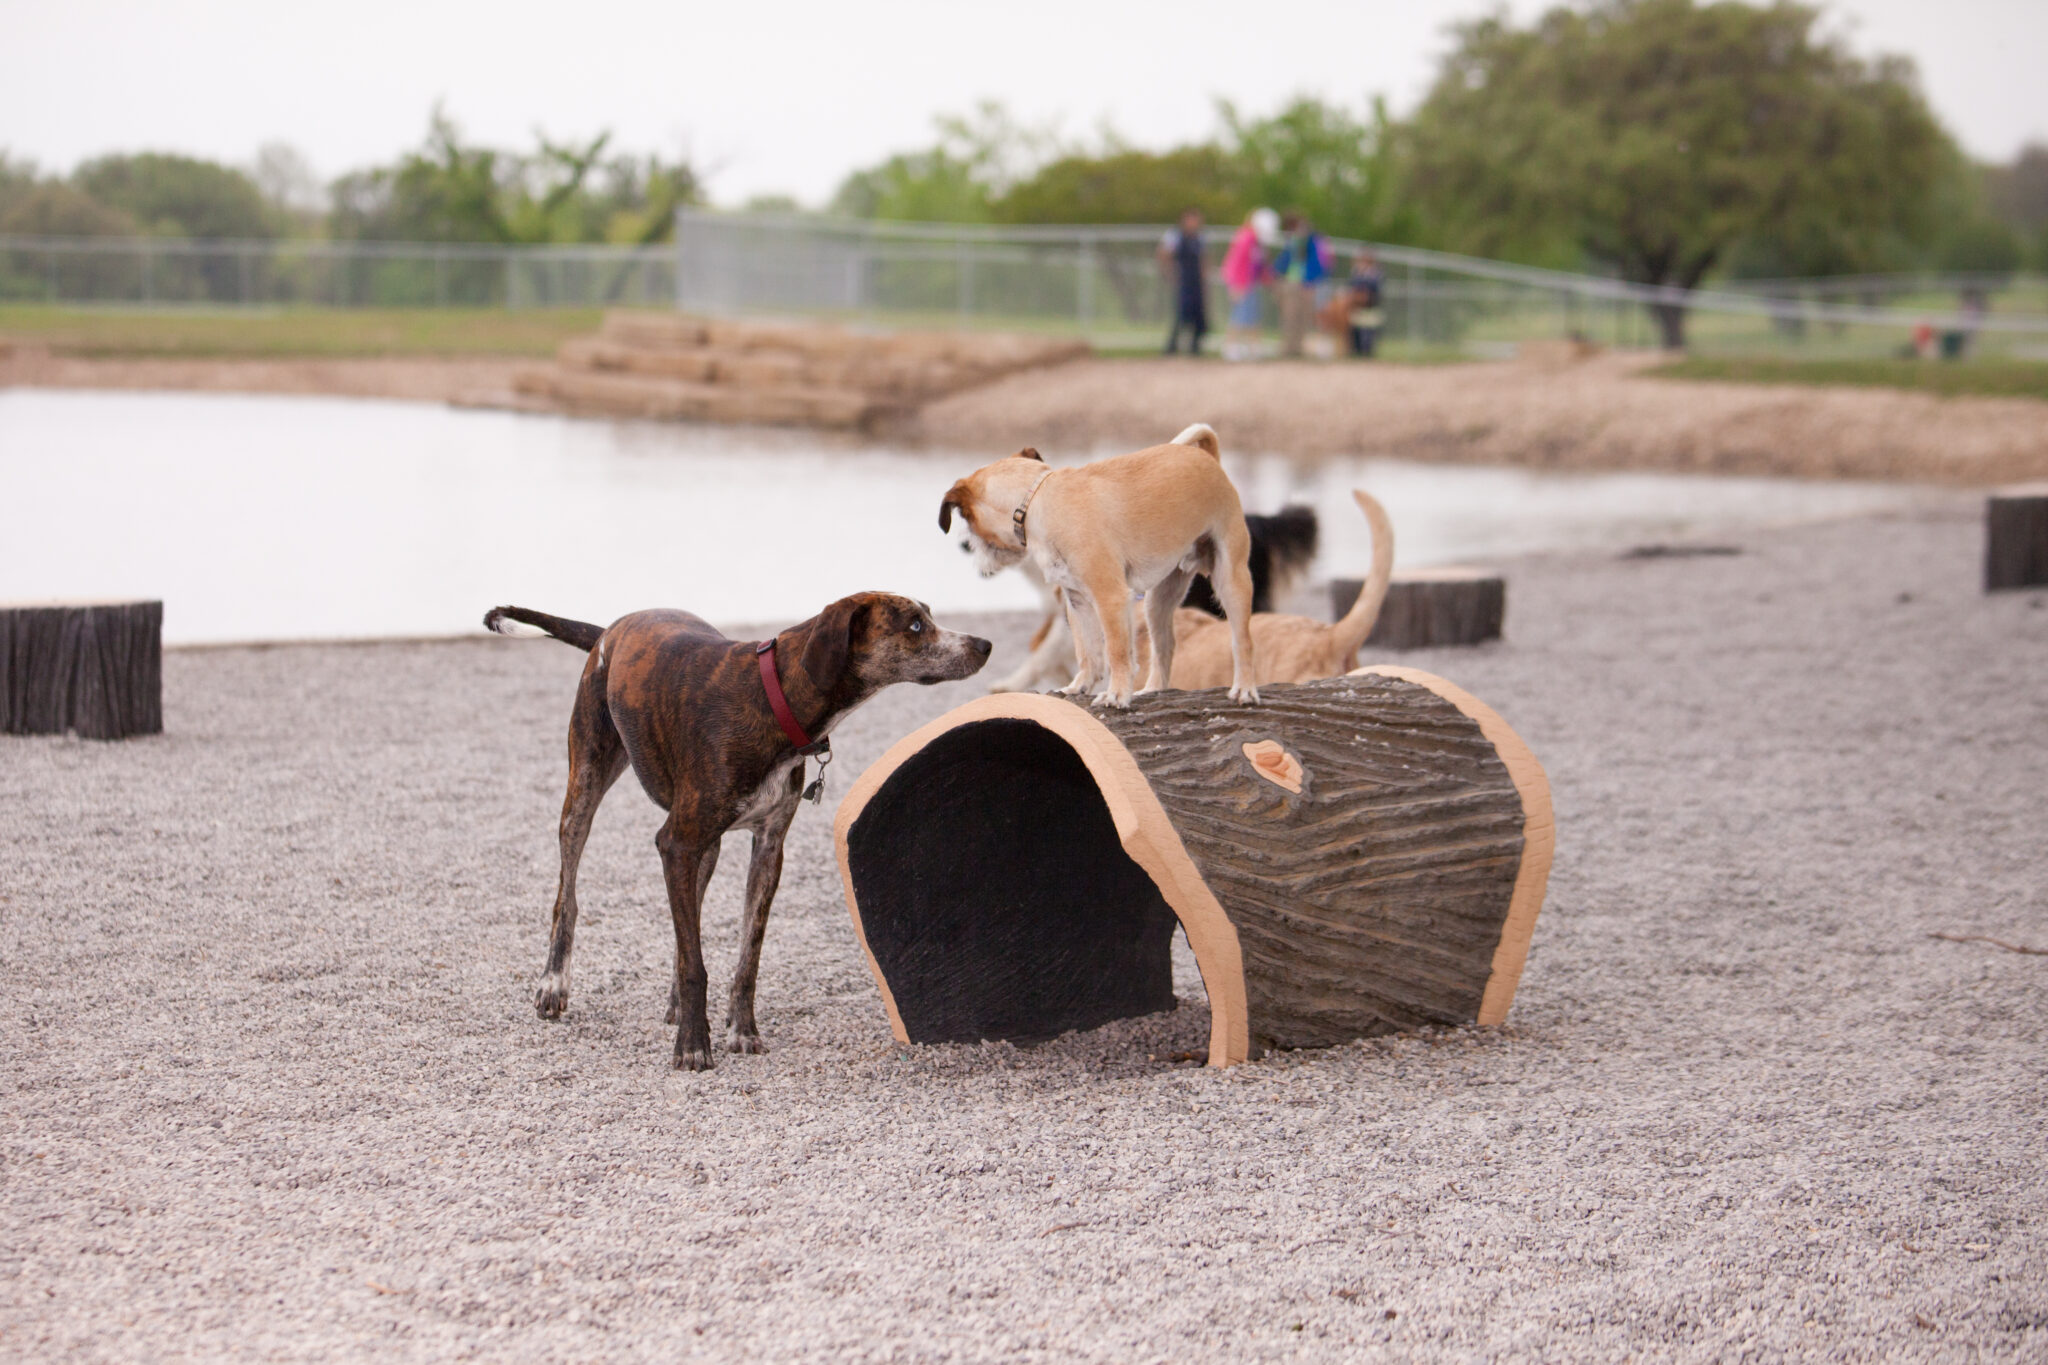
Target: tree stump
1424,607
93,667
1356,856
2016,538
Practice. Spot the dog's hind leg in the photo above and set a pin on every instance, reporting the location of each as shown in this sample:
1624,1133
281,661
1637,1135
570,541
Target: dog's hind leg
764,874
705,867
596,758
1233,579
1160,604
682,858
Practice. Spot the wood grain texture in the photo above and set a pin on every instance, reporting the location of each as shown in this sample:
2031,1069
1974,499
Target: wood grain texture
1432,607
1374,900
2016,538
95,668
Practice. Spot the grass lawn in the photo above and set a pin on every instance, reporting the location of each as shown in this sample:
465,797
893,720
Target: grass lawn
1998,377
309,332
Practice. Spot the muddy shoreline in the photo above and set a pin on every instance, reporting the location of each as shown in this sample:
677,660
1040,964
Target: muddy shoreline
1598,414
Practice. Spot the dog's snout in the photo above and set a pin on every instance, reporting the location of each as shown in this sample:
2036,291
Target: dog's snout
977,645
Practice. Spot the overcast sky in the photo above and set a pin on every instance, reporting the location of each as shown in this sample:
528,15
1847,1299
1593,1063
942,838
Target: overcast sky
787,97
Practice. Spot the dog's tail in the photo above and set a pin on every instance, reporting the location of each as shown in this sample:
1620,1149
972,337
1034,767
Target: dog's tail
1289,538
581,634
1350,632
1201,436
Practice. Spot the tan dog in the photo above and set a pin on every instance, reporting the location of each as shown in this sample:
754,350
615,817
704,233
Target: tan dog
1291,649
1143,523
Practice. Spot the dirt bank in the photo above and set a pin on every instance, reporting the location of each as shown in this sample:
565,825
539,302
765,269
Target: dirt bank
1598,414
275,1088
411,378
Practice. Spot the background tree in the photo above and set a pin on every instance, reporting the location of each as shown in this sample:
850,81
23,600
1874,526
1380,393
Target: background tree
1128,187
450,191
179,196
1656,135
2019,196
1316,158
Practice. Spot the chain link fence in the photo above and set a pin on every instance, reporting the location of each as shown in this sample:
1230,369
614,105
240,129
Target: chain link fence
1104,283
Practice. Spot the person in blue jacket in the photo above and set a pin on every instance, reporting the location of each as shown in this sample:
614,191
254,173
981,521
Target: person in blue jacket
1298,275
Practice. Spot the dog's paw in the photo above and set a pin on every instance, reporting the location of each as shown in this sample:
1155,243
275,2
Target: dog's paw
696,1059
748,1043
1120,700
551,1001
1248,695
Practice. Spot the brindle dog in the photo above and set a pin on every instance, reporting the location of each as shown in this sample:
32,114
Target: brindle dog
688,708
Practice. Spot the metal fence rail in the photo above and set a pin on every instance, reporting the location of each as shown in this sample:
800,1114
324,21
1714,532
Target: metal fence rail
1100,282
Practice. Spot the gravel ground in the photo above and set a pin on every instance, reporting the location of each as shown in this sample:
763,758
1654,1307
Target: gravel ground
277,1089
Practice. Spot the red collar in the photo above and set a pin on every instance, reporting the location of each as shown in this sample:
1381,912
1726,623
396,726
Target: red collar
771,681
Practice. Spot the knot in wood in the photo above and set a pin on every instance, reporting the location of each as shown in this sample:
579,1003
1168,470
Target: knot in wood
1275,764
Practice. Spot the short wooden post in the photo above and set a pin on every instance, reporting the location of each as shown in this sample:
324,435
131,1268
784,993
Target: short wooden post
1356,856
95,668
1426,607
2016,538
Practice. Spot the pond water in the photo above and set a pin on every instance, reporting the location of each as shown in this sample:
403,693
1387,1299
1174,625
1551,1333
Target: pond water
268,518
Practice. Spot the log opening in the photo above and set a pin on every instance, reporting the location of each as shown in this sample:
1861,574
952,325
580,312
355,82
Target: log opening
1357,856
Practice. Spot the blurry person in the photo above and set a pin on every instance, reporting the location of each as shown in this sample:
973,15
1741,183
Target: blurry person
1244,271
1366,319
1299,274
1180,251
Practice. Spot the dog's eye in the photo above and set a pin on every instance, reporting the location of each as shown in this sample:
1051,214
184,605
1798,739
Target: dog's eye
917,627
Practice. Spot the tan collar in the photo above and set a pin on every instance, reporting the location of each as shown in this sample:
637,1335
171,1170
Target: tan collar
1017,517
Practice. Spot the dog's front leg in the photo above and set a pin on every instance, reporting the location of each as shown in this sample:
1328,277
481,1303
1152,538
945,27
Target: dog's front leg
1111,598
763,876
682,855
1088,658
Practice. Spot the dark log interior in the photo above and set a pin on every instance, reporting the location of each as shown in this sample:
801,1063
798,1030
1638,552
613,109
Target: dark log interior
996,897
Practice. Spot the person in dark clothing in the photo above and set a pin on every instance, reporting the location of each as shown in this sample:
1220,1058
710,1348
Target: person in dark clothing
1365,319
1180,252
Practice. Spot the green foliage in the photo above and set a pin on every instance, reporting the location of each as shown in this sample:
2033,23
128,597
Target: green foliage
915,187
1981,246
57,210
1316,159
179,196
1128,187
448,191
1655,135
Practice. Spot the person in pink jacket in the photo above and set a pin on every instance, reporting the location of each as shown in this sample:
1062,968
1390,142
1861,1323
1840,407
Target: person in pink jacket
1245,269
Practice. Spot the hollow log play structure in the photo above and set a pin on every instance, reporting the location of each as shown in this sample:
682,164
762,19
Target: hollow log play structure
671,366
1357,856
2016,538
95,668
1454,605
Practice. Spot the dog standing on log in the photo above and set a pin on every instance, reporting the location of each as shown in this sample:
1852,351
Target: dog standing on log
717,732
1283,546
1143,523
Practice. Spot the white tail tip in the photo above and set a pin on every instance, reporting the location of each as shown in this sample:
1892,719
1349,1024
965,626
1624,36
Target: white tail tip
1201,436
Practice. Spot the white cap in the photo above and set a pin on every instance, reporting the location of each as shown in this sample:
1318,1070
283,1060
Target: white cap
1266,225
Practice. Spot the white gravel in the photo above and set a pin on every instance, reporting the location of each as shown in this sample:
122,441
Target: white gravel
276,1088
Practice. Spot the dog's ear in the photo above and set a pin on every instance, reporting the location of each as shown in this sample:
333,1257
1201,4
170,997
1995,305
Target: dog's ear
828,647
956,498
1029,453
